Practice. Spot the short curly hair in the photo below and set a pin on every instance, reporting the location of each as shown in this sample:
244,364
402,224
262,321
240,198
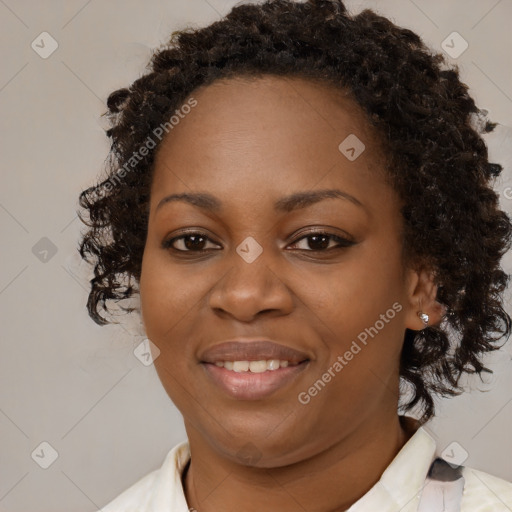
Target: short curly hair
438,164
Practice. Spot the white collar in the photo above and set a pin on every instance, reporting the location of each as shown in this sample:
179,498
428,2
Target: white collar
399,487
401,483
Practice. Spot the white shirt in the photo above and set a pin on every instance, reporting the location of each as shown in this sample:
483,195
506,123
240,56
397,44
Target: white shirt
399,488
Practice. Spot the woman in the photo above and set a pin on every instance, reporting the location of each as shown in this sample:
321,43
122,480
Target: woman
303,203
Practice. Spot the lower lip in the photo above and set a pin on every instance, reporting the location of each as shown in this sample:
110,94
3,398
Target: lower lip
249,385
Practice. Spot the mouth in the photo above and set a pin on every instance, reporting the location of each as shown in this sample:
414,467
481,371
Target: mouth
252,370
259,366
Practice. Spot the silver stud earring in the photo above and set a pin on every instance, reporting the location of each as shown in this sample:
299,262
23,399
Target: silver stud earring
424,318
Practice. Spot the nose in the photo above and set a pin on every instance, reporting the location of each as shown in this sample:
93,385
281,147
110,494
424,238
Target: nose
249,289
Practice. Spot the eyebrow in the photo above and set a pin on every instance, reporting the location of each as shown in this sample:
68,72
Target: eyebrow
286,204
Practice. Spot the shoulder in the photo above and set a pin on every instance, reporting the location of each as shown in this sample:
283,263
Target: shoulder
135,497
163,486
483,491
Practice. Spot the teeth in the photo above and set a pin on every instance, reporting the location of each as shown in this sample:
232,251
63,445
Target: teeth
240,366
258,366
253,366
273,364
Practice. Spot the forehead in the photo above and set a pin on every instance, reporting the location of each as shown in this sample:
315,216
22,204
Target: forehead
252,132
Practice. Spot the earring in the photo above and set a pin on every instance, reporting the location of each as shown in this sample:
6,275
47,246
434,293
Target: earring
424,318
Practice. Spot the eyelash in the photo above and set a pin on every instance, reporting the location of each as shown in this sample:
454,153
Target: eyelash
342,242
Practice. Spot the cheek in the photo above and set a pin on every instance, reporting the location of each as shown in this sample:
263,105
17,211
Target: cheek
352,295
167,293
360,307
168,299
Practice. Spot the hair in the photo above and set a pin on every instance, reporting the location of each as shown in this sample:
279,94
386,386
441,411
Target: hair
438,164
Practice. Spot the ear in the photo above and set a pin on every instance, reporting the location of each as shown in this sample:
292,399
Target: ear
421,297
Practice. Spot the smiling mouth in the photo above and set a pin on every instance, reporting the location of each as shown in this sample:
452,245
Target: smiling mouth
253,380
252,369
255,366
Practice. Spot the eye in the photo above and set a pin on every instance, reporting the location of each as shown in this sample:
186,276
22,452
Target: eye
190,242
317,241
321,241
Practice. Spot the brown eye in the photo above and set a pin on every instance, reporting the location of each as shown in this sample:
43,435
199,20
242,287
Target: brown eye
319,241
191,242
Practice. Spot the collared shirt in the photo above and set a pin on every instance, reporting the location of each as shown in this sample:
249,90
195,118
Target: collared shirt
401,487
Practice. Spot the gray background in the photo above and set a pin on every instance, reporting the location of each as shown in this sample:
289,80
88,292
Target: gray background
79,387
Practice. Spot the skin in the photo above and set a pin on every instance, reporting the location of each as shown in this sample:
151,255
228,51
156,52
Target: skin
250,142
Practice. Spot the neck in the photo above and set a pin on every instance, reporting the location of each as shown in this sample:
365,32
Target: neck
213,483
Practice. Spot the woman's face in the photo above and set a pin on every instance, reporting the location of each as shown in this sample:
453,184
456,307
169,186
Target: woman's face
337,308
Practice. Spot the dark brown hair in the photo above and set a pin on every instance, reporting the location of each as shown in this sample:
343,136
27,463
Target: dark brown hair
425,117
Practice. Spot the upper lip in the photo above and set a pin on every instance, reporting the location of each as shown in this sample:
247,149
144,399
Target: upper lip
252,350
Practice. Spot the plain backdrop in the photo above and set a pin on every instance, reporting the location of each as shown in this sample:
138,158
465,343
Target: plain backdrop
78,387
